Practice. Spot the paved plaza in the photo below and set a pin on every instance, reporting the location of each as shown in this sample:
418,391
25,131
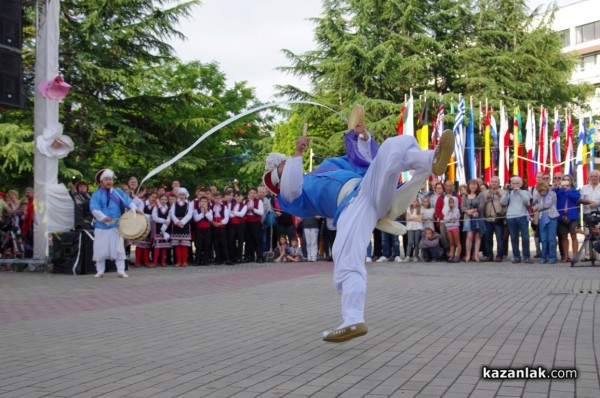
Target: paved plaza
255,331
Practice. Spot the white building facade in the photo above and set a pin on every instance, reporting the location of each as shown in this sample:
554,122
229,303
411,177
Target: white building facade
578,21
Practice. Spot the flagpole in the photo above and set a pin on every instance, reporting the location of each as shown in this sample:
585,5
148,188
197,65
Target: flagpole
486,147
566,142
481,170
501,148
543,141
547,139
592,127
552,151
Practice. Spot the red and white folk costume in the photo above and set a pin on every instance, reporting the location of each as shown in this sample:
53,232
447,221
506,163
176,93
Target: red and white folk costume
220,220
203,218
181,234
254,225
237,231
142,247
160,236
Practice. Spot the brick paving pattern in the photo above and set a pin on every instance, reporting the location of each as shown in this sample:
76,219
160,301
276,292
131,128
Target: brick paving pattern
254,331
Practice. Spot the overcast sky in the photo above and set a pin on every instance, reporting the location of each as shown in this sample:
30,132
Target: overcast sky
246,38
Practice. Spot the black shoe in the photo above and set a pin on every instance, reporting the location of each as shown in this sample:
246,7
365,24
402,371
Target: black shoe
228,263
260,261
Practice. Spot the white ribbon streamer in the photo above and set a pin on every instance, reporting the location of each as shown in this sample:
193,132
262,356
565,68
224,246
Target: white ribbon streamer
225,123
79,250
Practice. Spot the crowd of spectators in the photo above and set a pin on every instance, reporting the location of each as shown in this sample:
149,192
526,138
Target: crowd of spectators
16,223
477,221
472,222
215,226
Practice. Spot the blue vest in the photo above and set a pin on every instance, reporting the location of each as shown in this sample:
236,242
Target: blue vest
320,191
341,163
110,204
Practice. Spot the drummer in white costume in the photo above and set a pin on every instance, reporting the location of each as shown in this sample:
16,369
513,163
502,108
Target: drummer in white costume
356,203
106,204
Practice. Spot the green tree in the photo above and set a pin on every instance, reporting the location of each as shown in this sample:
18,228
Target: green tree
16,144
133,106
165,110
374,52
286,134
519,58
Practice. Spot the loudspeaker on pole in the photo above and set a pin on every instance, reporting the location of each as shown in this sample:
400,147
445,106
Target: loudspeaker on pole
11,65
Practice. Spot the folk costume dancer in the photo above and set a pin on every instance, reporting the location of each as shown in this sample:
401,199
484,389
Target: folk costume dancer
353,200
200,193
229,202
160,216
143,246
180,215
203,218
237,232
106,204
254,213
220,220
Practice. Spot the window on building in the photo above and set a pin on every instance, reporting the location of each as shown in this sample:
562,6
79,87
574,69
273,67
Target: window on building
588,62
566,37
587,32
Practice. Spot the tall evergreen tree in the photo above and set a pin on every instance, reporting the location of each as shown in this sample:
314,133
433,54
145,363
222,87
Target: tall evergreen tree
515,56
133,105
375,52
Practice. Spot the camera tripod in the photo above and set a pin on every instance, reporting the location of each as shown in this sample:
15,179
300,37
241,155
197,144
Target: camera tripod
589,240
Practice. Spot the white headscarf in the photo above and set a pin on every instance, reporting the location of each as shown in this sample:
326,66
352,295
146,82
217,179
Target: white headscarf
183,191
273,160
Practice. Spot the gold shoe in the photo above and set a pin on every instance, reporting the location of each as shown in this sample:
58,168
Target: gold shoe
346,333
443,152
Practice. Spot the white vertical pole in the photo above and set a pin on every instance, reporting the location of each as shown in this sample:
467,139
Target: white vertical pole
45,113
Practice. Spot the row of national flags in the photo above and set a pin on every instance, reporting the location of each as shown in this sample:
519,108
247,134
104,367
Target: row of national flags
514,147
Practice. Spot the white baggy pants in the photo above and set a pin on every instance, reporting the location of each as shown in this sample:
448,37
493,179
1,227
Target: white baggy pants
108,244
377,197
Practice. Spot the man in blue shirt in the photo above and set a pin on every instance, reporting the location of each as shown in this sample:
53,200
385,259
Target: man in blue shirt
356,202
106,204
